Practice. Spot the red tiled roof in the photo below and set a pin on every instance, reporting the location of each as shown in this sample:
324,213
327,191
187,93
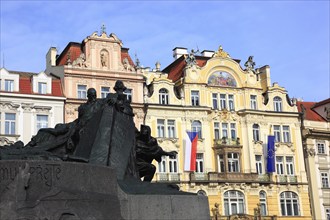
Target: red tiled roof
175,69
125,54
25,84
310,114
74,49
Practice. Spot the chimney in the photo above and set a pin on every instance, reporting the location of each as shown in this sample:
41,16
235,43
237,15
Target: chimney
207,53
179,51
51,57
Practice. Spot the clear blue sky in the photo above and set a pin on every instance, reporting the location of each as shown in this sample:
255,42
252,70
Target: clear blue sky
292,37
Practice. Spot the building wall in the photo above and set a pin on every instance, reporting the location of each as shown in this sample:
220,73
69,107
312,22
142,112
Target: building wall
211,180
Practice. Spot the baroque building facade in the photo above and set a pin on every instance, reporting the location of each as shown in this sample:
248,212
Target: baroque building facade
233,110
97,62
316,142
28,102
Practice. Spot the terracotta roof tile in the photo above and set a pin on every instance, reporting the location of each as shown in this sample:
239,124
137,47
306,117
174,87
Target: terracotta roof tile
310,114
125,54
74,49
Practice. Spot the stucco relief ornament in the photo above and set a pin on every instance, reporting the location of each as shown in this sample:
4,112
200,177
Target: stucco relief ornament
310,151
221,53
127,66
80,61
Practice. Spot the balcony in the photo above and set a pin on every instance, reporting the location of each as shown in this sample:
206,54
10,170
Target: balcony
226,177
286,179
224,141
167,177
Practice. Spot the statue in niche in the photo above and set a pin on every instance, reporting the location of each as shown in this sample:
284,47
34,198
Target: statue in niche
249,64
104,59
147,149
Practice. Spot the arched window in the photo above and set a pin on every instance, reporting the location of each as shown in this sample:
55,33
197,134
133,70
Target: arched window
263,202
277,104
163,96
256,132
234,202
201,193
289,204
197,127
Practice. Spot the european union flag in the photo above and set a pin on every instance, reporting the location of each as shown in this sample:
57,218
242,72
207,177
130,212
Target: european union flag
271,154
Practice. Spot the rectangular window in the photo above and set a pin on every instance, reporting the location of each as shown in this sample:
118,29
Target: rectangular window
253,102
195,98
289,165
161,127
256,132
277,133
231,102
327,213
233,162
171,128
10,123
42,121
128,93
223,102
199,163
82,92
286,134
233,130
162,165
173,164
259,164
279,165
104,92
225,130
215,100
216,131
9,85
221,163
320,148
325,180
42,87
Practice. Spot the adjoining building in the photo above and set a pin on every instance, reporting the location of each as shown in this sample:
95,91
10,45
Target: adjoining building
316,142
97,62
29,101
233,110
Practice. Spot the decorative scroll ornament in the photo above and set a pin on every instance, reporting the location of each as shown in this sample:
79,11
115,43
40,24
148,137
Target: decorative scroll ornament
221,53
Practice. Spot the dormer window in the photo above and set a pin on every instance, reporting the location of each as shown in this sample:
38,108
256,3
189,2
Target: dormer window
163,97
42,87
9,85
277,104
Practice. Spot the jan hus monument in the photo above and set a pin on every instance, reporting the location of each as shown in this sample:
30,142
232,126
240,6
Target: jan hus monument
97,167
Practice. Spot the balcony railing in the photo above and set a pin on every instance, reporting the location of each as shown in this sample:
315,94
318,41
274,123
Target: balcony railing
227,141
167,177
228,177
286,179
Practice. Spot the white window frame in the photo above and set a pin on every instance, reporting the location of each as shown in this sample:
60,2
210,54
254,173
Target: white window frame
259,164
256,132
10,124
199,163
129,94
279,161
163,96
253,102
286,134
215,103
327,213
233,133
9,85
277,133
173,164
161,128
233,199
231,102
195,98
291,200
263,203
171,128
277,104
233,162
42,123
320,148
42,87
162,165
82,91
289,163
224,130
324,180
196,126
216,130
105,90
221,163
223,101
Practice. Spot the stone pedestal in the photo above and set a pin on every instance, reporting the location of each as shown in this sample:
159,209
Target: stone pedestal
64,190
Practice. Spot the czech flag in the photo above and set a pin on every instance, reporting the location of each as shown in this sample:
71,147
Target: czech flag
190,151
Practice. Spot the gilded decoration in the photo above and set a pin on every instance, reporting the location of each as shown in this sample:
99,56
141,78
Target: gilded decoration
221,79
221,53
